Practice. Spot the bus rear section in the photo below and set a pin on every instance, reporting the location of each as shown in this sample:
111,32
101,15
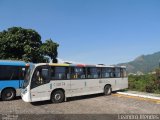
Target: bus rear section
11,78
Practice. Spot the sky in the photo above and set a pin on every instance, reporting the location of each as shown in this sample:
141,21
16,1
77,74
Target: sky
90,31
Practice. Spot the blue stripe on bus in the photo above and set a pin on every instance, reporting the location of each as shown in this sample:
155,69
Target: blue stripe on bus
13,63
16,84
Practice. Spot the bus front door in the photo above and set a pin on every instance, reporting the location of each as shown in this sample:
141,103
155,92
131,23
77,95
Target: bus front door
39,85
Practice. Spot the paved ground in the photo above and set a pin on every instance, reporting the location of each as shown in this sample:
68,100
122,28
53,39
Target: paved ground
93,104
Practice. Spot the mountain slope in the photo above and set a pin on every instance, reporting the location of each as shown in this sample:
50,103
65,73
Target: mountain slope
143,63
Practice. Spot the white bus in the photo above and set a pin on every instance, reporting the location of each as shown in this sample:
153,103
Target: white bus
56,82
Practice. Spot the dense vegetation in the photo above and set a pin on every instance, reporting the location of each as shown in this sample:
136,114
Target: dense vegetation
145,83
144,63
17,43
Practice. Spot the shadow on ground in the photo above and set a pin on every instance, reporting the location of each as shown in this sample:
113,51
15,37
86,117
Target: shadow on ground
16,98
71,99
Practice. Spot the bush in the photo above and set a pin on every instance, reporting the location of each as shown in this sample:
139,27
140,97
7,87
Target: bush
144,83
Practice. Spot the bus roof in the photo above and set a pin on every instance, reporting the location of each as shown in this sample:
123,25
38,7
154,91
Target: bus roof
12,63
76,65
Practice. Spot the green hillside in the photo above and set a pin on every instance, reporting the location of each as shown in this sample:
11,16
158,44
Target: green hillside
143,63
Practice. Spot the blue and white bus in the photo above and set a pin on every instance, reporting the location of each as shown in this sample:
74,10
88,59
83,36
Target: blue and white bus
11,78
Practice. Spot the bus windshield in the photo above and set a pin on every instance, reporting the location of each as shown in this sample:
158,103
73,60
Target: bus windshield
28,75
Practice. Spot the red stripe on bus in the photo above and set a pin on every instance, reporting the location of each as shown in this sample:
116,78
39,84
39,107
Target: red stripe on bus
80,65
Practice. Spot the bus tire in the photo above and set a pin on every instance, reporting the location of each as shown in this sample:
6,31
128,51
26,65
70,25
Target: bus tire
107,90
57,96
8,94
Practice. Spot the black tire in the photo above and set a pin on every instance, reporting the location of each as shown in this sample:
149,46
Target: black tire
107,90
8,94
57,96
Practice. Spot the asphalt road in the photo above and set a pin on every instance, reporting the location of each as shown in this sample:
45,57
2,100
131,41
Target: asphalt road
92,104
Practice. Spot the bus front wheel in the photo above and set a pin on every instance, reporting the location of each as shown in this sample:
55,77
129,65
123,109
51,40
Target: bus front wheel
107,90
8,94
57,96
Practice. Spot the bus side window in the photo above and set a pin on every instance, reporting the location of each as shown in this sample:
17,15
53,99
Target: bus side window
67,73
124,72
106,72
78,73
112,73
82,72
117,73
92,73
40,76
9,73
60,73
22,72
45,74
99,70
72,73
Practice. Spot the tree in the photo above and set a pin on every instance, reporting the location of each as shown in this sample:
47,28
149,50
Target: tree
49,48
20,44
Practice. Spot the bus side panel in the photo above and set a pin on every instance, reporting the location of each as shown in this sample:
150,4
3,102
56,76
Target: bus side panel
121,83
21,83
105,81
10,83
93,86
43,92
62,84
124,83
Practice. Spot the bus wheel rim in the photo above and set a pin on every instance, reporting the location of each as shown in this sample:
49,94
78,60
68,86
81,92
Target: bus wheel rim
57,97
9,94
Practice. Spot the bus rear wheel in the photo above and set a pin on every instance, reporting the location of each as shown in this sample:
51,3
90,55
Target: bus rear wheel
57,96
8,94
107,90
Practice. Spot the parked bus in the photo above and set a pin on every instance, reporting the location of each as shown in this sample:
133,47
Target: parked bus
11,77
56,82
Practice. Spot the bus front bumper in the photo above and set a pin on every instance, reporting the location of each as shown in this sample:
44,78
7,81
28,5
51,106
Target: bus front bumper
26,96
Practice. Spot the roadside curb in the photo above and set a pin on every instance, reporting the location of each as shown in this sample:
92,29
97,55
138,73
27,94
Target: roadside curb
138,95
